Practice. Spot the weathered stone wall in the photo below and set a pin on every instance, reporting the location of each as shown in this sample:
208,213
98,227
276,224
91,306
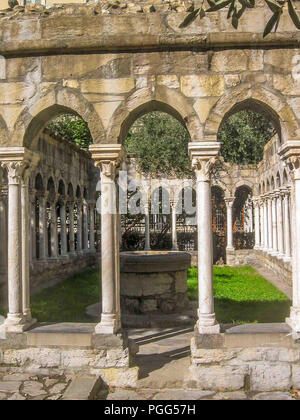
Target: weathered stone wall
251,256
253,359
109,86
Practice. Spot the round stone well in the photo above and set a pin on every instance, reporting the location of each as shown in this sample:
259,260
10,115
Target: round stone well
154,281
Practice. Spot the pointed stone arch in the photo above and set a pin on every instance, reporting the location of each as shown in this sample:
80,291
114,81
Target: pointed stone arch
143,101
269,103
55,102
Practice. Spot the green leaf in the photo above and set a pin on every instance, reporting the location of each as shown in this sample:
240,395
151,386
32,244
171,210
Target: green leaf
273,6
202,13
272,22
293,14
189,19
248,3
232,9
218,6
235,21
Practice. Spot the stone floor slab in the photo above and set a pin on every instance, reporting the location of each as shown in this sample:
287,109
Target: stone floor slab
9,386
123,395
182,395
279,396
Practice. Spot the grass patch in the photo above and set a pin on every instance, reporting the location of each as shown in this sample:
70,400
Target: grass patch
243,296
67,301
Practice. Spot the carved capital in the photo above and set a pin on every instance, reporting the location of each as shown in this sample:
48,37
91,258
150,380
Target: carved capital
18,163
289,152
229,201
108,157
203,156
16,171
256,202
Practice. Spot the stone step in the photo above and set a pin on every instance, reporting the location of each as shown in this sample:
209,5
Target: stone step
83,388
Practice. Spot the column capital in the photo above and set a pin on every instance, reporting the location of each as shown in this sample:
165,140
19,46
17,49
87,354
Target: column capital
203,156
289,152
229,201
107,157
256,201
284,191
18,161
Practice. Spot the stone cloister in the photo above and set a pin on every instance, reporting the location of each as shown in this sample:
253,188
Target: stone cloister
110,68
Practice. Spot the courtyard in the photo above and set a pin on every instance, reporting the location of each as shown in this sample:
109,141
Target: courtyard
149,200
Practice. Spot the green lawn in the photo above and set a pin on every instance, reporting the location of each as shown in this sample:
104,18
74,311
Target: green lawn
241,296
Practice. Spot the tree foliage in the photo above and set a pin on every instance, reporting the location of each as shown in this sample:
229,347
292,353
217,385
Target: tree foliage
244,136
71,128
236,9
160,145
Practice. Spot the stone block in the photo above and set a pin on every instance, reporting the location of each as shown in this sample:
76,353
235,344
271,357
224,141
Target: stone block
296,376
202,86
270,376
229,61
171,81
38,357
10,386
17,92
219,378
148,305
203,107
109,86
119,378
270,354
83,388
273,396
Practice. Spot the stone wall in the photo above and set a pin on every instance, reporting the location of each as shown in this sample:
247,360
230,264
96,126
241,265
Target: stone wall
252,357
250,257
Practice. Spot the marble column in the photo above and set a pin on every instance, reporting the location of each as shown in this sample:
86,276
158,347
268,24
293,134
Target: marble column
203,156
85,242
25,222
71,227
53,230
92,227
108,157
174,226
147,226
290,153
287,228
79,227
274,224
256,204
261,215
63,228
270,224
33,225
280,224
266,225
43,232
229,205
18,318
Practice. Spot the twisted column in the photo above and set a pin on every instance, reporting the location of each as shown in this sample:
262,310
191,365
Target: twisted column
203,156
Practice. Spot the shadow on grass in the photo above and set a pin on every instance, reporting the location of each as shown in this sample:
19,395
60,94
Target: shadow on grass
231,311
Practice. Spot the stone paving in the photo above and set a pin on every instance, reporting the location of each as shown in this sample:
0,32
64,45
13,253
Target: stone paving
23,386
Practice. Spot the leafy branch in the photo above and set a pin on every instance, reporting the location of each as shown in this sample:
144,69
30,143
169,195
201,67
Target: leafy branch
236,9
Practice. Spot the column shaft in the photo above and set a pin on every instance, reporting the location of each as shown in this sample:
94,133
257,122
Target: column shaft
274,225
147,228
174,227
229,205
63,229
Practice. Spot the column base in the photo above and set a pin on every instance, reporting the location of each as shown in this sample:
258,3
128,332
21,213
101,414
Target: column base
258,247
230,248
287,259
207,324
18,323
109,324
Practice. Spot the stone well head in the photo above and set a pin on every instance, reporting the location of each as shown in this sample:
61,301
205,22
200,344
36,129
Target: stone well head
154,281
